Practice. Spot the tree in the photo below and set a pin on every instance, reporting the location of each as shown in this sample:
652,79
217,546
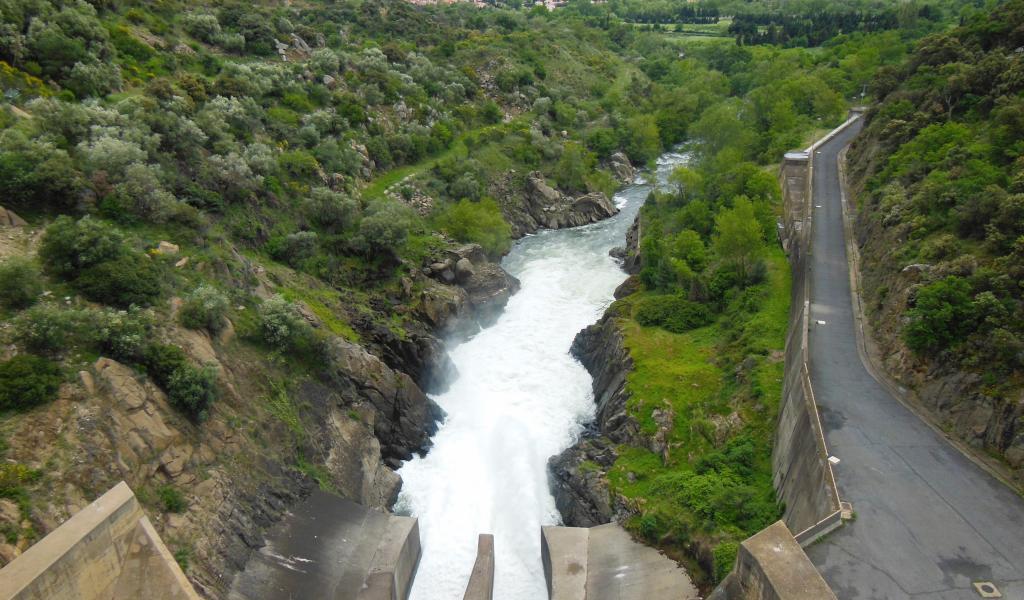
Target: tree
573,167
478,222
738,237
641,139
942,316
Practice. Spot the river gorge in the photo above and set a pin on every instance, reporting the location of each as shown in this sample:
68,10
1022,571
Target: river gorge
518,399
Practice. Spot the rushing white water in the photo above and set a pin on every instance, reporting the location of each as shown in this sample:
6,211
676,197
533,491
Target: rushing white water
519,399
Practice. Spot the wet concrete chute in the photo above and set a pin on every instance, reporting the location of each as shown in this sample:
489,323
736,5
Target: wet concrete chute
519,399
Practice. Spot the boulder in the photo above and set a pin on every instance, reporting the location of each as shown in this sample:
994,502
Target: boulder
621,167
543,206
167,248
463,270
8,218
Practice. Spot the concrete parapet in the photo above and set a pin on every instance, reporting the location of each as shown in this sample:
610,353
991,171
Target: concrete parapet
481,580
771,565
605,563
109,549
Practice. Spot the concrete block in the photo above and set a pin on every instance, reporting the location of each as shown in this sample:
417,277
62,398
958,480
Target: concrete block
394,563
481,580
93,552
564,553
771,565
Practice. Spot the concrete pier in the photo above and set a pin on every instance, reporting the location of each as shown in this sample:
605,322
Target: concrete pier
604,563
331,548
481,580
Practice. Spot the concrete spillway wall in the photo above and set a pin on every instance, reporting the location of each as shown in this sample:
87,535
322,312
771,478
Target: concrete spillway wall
109,549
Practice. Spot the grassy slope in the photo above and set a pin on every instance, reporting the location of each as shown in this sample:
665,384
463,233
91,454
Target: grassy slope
694,374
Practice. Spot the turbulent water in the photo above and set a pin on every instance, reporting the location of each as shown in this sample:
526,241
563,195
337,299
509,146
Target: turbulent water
519,399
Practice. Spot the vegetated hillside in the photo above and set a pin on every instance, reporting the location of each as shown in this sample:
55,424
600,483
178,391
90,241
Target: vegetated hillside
939,181
250,227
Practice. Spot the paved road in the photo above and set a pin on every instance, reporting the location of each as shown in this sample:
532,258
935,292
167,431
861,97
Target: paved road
929,522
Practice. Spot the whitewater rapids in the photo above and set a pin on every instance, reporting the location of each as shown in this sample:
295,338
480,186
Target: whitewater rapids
519,399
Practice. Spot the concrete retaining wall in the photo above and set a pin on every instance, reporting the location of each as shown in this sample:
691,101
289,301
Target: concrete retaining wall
107,550
802,475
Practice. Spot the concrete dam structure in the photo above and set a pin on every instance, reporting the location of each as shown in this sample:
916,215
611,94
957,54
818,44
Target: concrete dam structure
107,550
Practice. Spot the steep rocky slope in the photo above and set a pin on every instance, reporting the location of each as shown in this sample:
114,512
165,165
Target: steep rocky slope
273,435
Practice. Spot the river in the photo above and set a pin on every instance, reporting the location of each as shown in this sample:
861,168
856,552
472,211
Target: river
519,399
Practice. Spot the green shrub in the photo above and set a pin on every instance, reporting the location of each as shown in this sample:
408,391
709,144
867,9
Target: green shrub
172,499
190,389
942,316
130,279
193,390
673,313
20,283
205,308
46,329
121,334
298,164
69,246
283,326
386,226
13,476
479,222
27,381
724,559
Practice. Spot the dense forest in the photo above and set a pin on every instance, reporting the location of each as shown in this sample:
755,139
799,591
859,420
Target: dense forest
343,147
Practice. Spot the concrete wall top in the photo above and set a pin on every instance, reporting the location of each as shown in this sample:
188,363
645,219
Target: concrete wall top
481,580
564,552
605,563
780,565
98,553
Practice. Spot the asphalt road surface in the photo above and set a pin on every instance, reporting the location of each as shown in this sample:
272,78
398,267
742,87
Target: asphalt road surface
929,522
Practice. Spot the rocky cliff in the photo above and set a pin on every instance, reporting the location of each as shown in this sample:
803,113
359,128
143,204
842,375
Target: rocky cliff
532,204
985,416
577,475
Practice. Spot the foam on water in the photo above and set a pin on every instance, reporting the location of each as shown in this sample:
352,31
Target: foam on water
519,399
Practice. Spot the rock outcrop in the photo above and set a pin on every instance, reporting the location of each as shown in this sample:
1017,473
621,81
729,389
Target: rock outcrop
578,482
631,258
406,416
577,475
537,205
987,417
464,291
8,218
601,349
621,167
